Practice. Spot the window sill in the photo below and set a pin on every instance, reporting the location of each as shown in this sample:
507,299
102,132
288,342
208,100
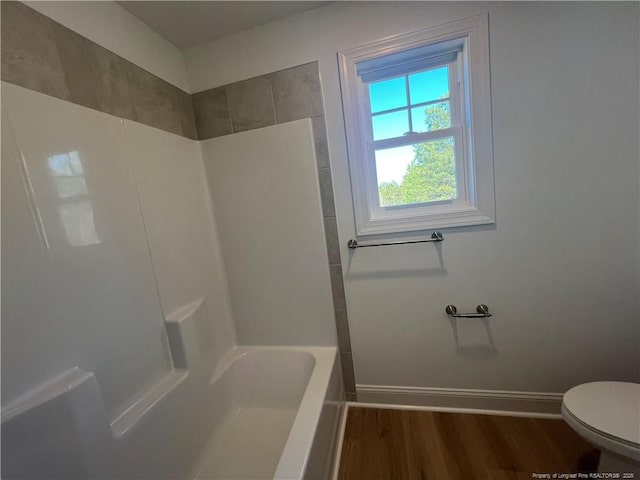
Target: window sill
458,218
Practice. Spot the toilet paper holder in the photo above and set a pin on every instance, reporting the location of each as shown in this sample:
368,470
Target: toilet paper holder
482,312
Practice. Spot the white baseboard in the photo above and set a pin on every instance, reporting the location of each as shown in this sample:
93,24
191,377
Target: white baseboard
477,401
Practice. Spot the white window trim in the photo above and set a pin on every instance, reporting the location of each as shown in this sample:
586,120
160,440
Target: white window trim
478,206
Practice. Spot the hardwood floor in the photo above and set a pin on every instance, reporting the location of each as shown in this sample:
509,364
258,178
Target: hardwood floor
420,445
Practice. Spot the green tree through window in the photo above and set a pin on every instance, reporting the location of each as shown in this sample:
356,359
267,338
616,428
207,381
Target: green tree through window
431,175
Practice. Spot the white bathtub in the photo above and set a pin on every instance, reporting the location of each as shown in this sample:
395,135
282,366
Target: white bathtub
266,412
276,413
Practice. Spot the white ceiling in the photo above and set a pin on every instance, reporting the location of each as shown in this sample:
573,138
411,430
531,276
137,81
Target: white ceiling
189,23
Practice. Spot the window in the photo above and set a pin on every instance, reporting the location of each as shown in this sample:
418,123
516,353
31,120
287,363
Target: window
418,118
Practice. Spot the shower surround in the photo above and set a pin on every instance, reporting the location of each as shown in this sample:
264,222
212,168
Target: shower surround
117,311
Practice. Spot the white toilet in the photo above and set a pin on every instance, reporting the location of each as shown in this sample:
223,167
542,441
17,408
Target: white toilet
607,415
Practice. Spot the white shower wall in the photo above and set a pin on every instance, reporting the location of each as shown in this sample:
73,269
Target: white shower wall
180,226
116,309
264,185
88,201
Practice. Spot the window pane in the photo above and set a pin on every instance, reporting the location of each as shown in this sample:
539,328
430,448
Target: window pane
389,125
419,173
432,117
430,85
388,94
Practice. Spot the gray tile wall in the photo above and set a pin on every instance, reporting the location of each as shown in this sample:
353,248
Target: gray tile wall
270,99
42,55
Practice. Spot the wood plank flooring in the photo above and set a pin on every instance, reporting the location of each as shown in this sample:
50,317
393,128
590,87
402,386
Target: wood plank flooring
408,444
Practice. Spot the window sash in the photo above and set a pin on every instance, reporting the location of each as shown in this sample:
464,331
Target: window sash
452,76
454,100
377,211
456,130
411,105
414,138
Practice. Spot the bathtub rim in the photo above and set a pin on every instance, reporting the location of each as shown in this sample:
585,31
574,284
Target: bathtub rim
237,353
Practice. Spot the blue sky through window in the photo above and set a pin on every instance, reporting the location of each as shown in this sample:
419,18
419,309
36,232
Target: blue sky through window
388,94
429,85
425,86
389,125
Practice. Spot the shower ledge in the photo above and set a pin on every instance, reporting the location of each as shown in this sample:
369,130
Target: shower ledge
75,388
183,337
60,385
123,423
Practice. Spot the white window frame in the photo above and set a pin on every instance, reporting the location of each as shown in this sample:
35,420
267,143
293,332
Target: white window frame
471,124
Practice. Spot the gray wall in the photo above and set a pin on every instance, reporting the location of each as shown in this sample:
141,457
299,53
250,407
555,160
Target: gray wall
43,55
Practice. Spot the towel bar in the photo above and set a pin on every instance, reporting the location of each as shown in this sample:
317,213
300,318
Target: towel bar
435,237
482,312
